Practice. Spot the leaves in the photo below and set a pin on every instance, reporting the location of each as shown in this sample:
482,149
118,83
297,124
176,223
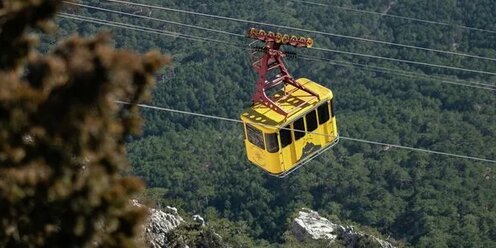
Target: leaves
62,151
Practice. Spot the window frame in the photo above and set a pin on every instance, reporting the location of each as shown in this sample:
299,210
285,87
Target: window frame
316,122
287,129
326,104
250,129
301,131
331,102
272,147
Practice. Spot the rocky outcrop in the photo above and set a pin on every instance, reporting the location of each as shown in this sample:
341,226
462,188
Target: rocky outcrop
158,231
310,225
198,219
159,223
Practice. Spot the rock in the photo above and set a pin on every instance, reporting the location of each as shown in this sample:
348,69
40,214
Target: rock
159,223
310,225
171,210
157,229
198,219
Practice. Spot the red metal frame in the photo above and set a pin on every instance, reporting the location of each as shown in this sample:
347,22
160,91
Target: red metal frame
272,59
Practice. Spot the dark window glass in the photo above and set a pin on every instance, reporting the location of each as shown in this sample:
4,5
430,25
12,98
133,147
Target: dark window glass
299,128
255,136
271,141
323,113
332,107
311,119
285,136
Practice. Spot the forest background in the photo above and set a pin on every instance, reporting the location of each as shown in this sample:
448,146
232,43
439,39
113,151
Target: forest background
199,165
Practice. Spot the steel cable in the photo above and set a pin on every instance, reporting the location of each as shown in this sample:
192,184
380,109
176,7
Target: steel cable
298,29
237,46
313,48
394,16
314,133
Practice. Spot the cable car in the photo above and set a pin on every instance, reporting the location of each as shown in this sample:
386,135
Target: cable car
290,121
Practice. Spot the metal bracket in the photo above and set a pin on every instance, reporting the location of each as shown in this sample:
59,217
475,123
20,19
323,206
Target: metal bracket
273,59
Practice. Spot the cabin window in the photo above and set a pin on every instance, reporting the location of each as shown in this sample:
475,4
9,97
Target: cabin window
311,119
332,107
285,136
323,113
255,136
299,128
271,141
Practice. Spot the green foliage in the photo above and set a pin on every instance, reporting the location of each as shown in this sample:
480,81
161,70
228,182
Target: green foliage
425,200
194,235
62,138
367,242
235,234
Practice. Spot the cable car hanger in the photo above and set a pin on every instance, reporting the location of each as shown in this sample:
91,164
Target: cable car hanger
273,60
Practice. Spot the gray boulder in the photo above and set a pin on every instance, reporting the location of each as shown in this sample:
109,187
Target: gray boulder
310,225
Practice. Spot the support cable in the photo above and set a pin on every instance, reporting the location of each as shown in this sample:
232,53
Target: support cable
313,48
237,46
145,106
394,16
472,84
298,29
404,61
154,19
143,29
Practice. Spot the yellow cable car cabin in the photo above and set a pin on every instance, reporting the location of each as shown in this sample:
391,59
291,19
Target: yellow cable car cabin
292,125
279,151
